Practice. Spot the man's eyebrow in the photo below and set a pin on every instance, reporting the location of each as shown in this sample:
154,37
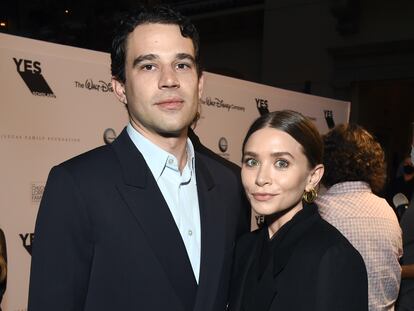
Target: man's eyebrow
182,56
142,58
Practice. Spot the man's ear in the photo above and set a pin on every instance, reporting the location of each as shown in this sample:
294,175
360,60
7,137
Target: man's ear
315,176
119,90
200,85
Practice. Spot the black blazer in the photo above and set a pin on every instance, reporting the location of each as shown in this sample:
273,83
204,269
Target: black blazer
105,238
312,267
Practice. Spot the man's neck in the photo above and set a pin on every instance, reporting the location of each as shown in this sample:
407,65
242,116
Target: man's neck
176,145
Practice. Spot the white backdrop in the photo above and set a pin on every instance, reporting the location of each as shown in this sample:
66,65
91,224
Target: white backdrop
229,106
56,102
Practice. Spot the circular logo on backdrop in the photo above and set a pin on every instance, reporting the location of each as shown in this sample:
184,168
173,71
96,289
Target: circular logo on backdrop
109,136
222,144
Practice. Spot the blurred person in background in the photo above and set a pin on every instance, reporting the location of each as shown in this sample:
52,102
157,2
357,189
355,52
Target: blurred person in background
354,170
405,300
404,181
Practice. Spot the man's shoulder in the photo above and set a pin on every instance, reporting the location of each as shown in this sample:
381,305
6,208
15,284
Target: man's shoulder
102,155
92,165
90,171
218,164
89,158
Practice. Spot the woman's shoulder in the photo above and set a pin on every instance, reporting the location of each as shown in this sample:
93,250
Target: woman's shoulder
322,236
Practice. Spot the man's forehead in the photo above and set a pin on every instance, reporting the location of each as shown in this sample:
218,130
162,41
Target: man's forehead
158,36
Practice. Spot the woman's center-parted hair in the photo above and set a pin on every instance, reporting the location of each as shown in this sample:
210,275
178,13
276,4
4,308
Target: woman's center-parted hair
298,127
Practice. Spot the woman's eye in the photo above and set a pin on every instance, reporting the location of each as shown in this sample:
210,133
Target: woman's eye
281,164
251,162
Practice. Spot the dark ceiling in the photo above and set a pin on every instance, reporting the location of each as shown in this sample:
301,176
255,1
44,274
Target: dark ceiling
89,23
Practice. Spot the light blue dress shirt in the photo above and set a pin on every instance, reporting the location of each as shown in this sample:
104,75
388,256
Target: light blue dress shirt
179,190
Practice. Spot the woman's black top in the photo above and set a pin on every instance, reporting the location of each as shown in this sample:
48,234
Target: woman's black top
307,265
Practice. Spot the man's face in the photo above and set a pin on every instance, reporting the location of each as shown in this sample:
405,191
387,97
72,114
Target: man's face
162,88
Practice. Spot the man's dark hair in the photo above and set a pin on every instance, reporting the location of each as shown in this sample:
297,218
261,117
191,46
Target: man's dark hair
353,154
296,125
149,15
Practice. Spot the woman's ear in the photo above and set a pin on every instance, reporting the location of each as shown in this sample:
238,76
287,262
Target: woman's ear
315,176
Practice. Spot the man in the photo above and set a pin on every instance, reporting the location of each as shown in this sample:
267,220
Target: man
145,223
354,168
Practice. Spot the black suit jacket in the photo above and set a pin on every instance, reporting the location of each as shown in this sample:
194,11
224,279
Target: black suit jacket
312,267
105,238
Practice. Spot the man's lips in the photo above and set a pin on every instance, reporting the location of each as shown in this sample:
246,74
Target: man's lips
171,103
262,197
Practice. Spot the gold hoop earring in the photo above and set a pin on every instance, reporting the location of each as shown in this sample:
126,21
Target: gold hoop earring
309,196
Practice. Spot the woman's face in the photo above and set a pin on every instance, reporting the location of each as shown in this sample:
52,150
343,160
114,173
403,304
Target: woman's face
275,172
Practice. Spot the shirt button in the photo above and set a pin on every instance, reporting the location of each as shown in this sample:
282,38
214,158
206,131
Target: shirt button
190,233
170,161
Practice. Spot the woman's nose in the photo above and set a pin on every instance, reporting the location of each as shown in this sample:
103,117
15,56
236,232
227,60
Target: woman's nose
263,176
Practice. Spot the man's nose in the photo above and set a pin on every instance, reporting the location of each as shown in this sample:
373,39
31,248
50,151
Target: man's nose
168,79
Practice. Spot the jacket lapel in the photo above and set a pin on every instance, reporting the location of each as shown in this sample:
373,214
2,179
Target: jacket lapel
146,202
262,292
283,247
213,236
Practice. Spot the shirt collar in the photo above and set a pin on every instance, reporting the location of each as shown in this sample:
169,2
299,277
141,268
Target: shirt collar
157,158
349,186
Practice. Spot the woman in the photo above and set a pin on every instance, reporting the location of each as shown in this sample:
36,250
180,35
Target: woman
296,261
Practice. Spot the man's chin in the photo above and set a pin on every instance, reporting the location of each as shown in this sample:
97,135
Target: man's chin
170,134
173,133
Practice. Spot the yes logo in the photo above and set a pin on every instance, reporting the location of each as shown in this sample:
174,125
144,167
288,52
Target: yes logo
27,240
329,118
262,106
31,73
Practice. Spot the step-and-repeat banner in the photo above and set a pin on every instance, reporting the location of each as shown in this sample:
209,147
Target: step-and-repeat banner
57,102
